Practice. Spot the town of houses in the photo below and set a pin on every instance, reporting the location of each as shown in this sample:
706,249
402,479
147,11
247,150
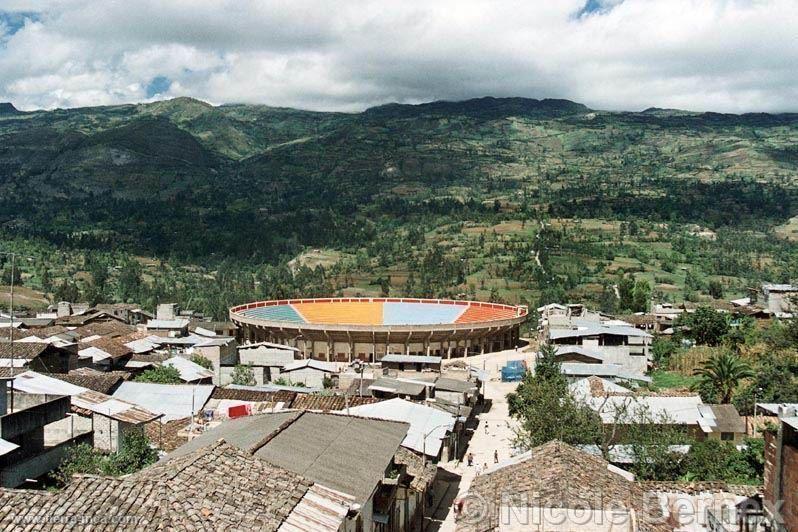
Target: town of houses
406,442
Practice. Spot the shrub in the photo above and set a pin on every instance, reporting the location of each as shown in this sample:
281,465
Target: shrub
160,375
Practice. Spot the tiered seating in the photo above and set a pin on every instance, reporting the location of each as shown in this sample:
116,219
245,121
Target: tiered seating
420,313
476,314
354,313
276,313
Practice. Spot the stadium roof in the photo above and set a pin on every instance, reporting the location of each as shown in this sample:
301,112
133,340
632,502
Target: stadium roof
377,311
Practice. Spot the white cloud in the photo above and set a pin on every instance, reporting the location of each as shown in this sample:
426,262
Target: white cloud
721,55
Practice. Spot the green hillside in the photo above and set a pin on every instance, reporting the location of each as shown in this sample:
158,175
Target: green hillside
507,198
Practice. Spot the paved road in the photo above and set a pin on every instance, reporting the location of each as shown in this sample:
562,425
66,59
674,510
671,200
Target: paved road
493,433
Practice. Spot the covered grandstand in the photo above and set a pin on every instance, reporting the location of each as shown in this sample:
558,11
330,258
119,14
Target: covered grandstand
343,329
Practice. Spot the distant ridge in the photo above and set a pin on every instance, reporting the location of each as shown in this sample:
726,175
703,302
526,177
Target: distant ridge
7,108
487,107
659,111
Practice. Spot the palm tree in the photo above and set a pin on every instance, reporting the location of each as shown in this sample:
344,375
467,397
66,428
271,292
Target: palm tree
723,372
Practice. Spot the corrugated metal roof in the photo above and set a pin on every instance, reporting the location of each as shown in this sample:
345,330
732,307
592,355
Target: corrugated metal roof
215,342
772,287
411,359
174,401
428,426
268,344
578,350
721,418
329,367
189,371
400,387
631,408
167,324
774,408
143,345
448,384
6,447
94,353
83,398
596,330
578,369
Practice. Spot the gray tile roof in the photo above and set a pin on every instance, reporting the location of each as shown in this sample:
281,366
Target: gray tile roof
213,488
347,454
455,385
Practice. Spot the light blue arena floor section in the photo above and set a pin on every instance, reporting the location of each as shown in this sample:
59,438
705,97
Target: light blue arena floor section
276,313
419,313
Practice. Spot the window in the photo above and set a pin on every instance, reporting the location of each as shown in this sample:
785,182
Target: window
727,436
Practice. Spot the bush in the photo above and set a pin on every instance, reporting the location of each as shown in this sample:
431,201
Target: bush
711,460
201,361
160,375
243,375
134,455
662,349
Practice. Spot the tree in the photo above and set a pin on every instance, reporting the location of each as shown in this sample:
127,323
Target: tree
129,282
135,453
775,380
66,291
243,375
715,460
662,349
723,373
641,293
160,375
201,361
626,287
546,410
547,368
6,275
706,325
716,289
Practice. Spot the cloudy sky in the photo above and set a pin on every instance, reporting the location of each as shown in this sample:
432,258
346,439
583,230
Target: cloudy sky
720,55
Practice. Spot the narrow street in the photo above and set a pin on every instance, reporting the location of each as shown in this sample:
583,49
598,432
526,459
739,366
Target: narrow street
493,433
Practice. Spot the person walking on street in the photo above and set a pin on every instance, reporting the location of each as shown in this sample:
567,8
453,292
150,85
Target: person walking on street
470,459
496,456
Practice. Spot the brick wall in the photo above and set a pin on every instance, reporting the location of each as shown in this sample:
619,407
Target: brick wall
789,457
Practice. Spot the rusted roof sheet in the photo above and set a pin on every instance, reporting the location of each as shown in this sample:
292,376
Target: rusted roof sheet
118,409
83,398
320,509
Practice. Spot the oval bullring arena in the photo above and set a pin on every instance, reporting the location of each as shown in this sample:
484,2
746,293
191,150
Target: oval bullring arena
345,329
